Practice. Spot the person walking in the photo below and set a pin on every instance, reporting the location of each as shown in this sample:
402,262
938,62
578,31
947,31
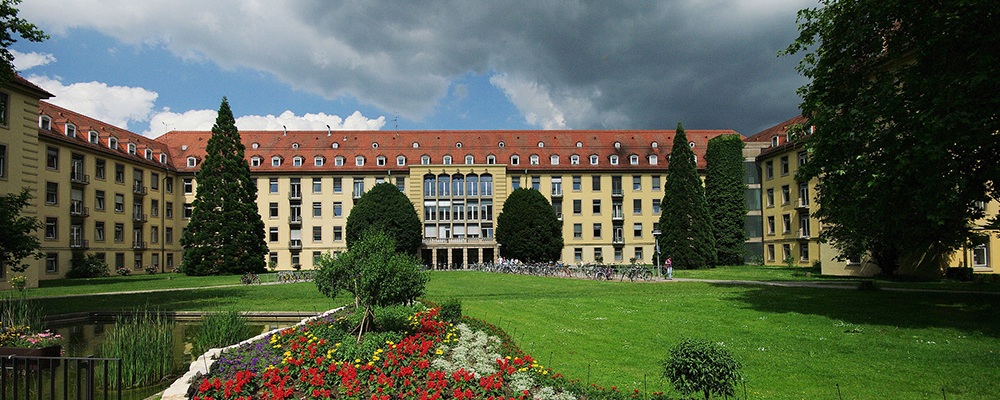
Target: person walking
670,268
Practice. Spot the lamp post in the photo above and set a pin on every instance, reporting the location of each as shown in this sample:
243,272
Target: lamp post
656,241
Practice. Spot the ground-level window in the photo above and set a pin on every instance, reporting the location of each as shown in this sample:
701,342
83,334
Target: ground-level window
52,263
979,257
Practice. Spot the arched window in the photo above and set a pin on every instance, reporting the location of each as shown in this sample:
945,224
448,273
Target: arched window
554,159
515,160
380,161
359,161
70,130
255,161
446,160
633,159
400,160
338,161
652,159
614,160
491,159
44,122
469,159
297,161
275,161
594,159
192,162
574,159
425,160
430,185
534,159
318,161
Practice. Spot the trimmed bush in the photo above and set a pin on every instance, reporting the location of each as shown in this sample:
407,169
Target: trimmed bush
451,310
701,366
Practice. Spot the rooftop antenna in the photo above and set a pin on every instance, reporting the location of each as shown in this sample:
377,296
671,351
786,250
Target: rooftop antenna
285,129
328,131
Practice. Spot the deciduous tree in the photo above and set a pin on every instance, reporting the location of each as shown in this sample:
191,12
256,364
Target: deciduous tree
226,234
902,95
725,193
10,26
17,238
685,225
528,228
386,209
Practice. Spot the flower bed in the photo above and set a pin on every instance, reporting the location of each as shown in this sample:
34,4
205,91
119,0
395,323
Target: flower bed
24,337
427,360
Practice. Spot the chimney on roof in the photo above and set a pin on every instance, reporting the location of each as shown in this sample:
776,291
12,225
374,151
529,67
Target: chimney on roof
328,131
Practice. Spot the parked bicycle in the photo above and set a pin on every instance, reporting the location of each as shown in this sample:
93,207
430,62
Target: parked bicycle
250,278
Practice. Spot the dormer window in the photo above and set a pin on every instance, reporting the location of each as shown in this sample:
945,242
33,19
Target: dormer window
579,145
275,161
374,145
458,145
94,137
554,159
774,140
400,161
594,159
44,122
295,145
296,161
447,160
500,145
335,145
614,160
469,159
541,144
491,159
149,154
113,143
618,145
318,161
338,161
533,159
192,162
380,161
655,145
652,159
514,159
574,159
695,158
71,130
254,145
691,144
163,158
633,159
255,161
425,160
359,161
416,145
131,148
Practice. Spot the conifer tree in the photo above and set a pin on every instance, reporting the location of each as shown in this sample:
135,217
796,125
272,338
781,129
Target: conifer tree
528,228
386,209
686,228
725,192
226,234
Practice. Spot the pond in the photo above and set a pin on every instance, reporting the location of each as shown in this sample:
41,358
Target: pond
83,337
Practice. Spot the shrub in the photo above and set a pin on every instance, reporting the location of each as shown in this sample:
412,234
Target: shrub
701,366
868,285
88,266
960,274
220,330
391,318
451,310
123,271
150,270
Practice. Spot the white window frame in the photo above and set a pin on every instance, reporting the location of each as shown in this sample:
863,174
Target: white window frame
653,160
296,161
94,137
574,159
113,143
614,160
380,161
425,160
338,161
554,159
255,161
275,161
400,161
594,159
491,159
446,160
71,130
131,148
359,161
318,161
469,159
192,162
515,159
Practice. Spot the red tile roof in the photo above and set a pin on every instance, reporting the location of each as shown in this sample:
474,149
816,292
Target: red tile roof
84,125
779,129
438,144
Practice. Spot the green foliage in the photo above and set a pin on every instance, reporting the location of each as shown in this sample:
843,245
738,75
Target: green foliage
725,193
143,341
528,228
395,318
88,266
685,224
17,239
225,234
385,208
220,330
18,310
11,26
869,285
372,272
701,366
451,310
905,134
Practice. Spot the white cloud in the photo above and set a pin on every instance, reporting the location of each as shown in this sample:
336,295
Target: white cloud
203,120
26,61
117,105
548,110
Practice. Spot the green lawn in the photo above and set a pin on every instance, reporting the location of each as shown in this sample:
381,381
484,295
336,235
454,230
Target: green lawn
61,287
793,342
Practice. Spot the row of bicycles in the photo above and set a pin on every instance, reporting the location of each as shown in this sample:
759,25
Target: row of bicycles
600,272
278,277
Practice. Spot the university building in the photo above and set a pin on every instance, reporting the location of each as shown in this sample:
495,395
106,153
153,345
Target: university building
102,190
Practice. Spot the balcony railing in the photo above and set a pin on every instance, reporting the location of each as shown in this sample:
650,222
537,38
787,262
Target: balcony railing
618,240
76,209
78,243
139,217
295,220
295,244
138,188
79,178
295,195
804,234
357,193
802,204
458,240
138,245
617,214
617,192
557,192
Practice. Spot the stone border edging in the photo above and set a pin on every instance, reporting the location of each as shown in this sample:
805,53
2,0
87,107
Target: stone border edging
178,390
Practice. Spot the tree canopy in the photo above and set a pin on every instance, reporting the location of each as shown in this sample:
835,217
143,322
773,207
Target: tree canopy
10,27
528,228
386,209
725,194
225,234
902,95
17,238
686,228
373,272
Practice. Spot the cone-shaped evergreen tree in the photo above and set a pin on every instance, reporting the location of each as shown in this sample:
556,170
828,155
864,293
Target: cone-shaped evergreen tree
725,192
528,228
226,234
686,228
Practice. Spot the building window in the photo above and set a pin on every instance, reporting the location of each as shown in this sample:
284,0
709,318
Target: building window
786,223
785,194
633,159
51,193
380,161
769,197
425,160
338,185
191,161
770,224
99,200
786,251
188,186
578,231
400,161
338,233
652,159
168,209
597,230
597,206
119,202
318,161
656,206
491,159
574,159
595,183
618,254
577,183
769,170
113,143
446,160
637,206
168,235
338,209
577,206
804,226
187,211
317,185
272,235
536,183
51,263
656,182
296,161
154,207
119,232
515,160
784,165
275,161
154,181
359,161
317,233
594,159
317,209
598,254
637,230
99,166
272,258
272,185
638,253
554,159
770,252
44,122
154,234
3,163
980,257
636,182
614,160
272,210
52,158
803,157
338,161
169,184
51,228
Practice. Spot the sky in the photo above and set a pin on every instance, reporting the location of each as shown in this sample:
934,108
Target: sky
154,66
